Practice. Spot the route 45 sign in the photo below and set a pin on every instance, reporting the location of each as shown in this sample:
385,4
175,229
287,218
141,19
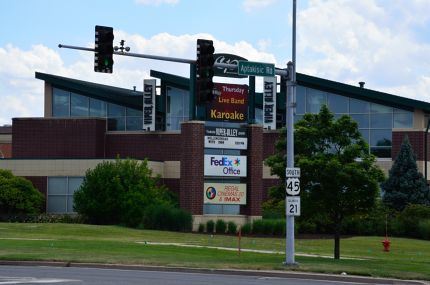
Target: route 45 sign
293,186
293,181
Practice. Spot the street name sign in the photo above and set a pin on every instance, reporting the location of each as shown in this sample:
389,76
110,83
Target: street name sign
252,68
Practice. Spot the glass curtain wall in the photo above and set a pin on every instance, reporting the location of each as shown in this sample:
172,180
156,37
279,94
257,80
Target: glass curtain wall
375,121
120,118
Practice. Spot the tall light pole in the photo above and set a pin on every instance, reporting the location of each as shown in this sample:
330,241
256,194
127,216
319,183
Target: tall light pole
290,106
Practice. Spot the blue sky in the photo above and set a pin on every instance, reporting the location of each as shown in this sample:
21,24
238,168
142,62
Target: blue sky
384,43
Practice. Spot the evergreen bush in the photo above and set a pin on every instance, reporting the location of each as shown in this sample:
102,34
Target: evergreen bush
231,228
246,229
220,227
167,217
210,226
201,228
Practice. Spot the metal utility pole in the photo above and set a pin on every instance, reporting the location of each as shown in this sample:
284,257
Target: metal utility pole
290,106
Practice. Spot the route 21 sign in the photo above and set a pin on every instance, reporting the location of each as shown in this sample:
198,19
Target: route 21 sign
293,206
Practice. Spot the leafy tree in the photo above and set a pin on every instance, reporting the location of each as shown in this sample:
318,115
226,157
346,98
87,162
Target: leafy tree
339,177
118,193
18,195
405,184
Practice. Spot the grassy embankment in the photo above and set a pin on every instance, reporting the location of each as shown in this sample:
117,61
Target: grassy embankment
408,258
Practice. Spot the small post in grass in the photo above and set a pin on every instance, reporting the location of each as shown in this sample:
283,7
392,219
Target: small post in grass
239,236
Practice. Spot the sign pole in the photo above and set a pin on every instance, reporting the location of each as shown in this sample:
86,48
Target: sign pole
290,142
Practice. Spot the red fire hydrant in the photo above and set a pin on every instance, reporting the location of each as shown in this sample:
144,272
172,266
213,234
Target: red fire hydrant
386,243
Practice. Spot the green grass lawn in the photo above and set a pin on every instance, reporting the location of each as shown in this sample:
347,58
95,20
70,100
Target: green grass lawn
408,258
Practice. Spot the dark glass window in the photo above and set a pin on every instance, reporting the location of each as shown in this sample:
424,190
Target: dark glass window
78,105
403,120
60,193
337,104
380,137
376,108
314,100
380,120
358,106
300,100
60,103
177,107
361,119
97,108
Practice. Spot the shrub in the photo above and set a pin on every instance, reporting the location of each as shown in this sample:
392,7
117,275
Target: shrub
246,229
210,226
264,227
118,193
167,217
279,227
220,227
424,229
231,228
201,228
18,196
408,220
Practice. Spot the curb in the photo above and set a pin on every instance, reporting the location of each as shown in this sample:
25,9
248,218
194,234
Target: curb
263,273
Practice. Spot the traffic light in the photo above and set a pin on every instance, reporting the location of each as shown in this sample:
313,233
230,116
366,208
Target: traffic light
204,71
103,56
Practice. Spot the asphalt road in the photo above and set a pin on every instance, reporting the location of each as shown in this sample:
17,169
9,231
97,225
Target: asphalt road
105,276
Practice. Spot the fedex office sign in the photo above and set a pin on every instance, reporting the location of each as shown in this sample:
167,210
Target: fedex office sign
225,165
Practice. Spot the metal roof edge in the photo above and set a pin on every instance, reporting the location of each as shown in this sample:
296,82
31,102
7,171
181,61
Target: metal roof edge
360,93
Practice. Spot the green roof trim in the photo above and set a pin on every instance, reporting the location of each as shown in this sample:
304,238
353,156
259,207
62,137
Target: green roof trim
121,96
172,80
360,93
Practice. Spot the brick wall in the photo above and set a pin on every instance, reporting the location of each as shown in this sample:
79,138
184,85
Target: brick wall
155,146
5,150
254,171
58,138
40,182
192,170
416,138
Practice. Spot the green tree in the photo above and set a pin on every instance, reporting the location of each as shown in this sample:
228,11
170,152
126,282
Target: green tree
339,177
405,184
118,193
18,195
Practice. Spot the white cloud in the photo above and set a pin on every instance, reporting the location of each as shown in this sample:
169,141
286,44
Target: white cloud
156,2
251,5
22,94
351,41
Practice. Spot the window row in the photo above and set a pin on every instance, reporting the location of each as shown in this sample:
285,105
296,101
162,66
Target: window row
60,193
69,104
371,115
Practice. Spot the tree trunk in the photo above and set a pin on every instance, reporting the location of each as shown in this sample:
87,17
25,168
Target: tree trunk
337,241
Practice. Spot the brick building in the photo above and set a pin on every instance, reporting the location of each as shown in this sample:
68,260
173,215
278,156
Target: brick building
85,123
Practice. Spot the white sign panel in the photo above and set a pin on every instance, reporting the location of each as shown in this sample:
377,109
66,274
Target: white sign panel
293,206
225,193
269,103
293,186
226,138
225,165
149,104
292,172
